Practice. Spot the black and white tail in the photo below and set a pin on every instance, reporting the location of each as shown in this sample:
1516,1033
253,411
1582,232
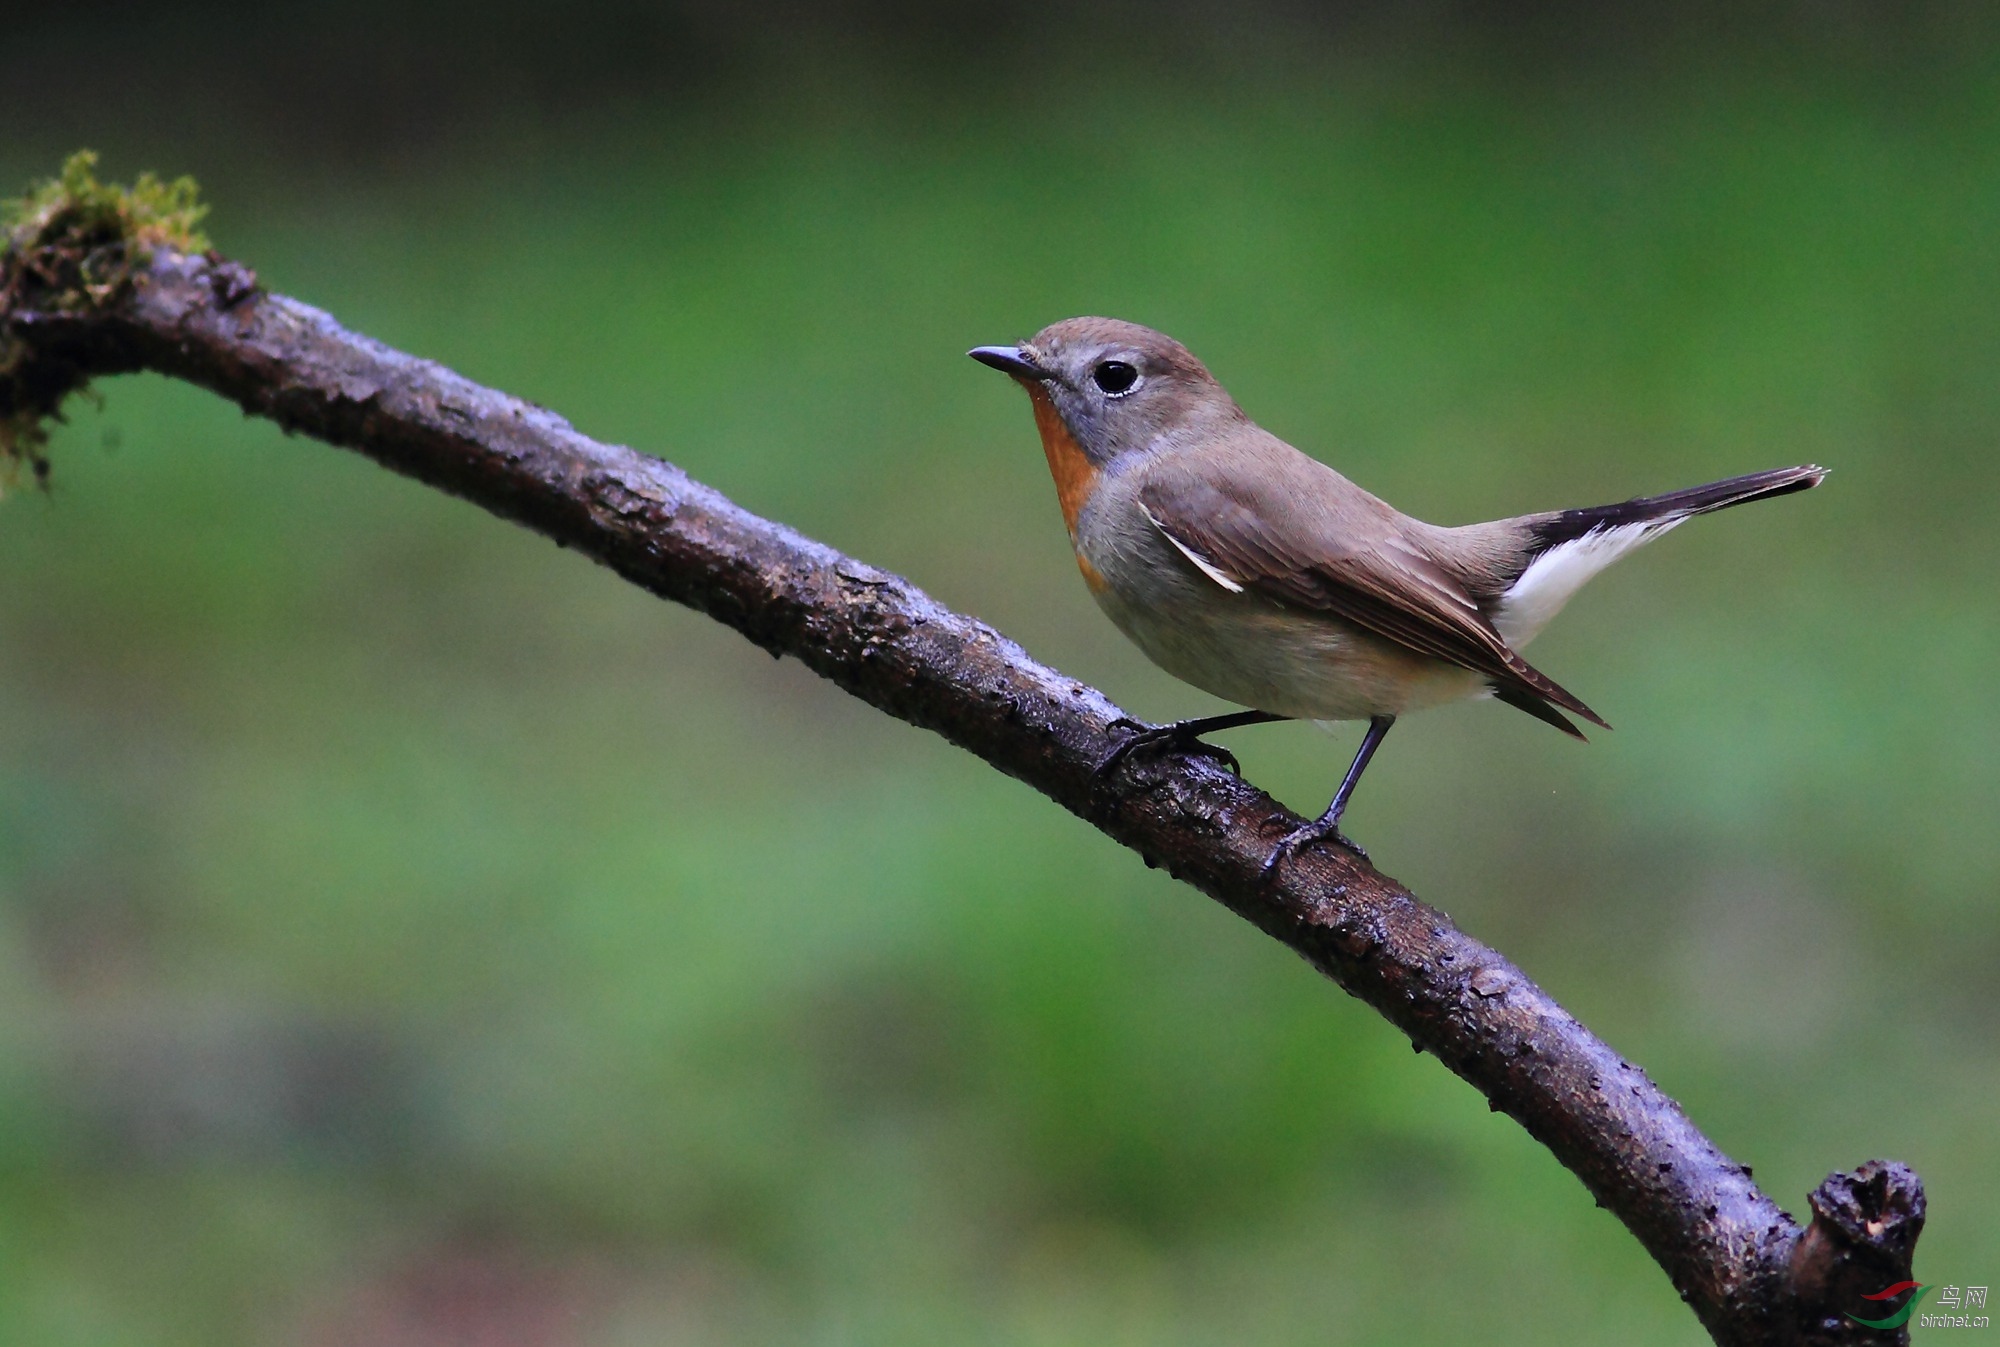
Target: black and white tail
1567,548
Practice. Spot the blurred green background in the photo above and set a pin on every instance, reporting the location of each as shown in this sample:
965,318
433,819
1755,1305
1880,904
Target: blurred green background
414,935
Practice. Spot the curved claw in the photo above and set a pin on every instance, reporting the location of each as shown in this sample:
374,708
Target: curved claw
1201,748
1151,737
1123,749
1320,829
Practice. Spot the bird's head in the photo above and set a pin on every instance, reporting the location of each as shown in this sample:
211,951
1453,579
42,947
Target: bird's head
1116,387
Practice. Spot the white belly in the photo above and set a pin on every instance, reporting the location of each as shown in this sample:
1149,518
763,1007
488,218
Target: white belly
1284,660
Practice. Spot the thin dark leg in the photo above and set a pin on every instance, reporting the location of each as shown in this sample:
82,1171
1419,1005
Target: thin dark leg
1328,824
1184,735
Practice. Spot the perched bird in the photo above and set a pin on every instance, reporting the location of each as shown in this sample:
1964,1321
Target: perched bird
1256,573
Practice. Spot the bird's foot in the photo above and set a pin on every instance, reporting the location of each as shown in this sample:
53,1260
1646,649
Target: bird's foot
1180,737
1320,829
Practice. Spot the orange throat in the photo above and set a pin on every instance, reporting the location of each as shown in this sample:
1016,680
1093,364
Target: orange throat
1076,475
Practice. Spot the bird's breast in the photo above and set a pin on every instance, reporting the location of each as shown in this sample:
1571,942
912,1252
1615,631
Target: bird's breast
1075,475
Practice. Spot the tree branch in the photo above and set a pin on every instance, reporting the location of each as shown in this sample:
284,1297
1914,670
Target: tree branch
75,305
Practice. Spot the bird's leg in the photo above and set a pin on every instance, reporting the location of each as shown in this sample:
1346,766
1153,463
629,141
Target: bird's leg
1328,824
1184,735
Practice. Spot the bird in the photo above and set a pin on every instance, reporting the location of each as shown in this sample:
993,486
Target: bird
1257,573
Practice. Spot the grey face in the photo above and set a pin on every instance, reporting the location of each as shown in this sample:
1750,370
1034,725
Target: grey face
1117,386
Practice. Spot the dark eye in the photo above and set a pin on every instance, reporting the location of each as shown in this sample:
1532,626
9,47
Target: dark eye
1114,377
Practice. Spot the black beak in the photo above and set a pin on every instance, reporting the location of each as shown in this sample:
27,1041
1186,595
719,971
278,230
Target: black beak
1009,360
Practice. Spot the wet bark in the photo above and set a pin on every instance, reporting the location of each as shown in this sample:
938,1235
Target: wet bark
1749,1270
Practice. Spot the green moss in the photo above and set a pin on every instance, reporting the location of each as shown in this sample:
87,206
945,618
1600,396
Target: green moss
73,244
149,212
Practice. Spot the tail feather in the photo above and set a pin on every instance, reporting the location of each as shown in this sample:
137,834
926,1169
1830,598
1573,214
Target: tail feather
1561,551
1553,530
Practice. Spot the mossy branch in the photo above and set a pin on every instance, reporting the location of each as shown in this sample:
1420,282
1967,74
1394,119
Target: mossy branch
74,245
100,281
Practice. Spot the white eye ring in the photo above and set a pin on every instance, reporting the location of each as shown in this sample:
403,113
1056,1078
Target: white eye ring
1115,378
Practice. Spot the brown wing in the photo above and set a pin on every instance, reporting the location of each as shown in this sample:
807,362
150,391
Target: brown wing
1283,541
